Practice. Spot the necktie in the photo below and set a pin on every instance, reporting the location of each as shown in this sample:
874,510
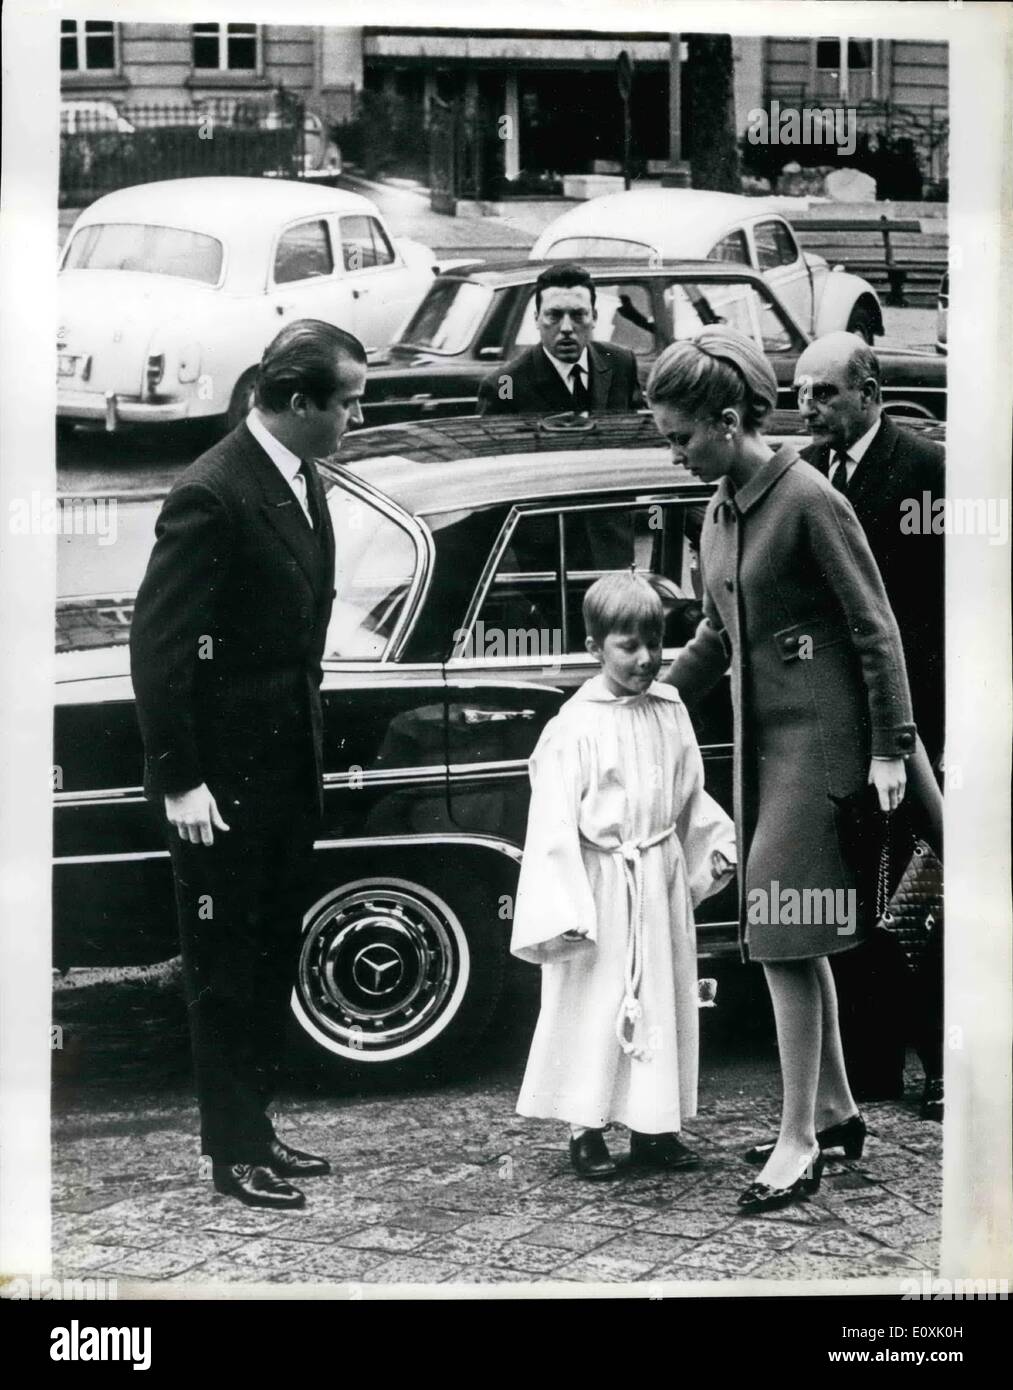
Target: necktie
581,395
305,492
840,478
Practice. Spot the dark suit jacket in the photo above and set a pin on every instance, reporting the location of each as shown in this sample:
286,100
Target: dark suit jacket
229,628
897,467
538,389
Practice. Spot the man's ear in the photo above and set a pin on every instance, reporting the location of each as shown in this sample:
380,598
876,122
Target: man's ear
870,391
297,403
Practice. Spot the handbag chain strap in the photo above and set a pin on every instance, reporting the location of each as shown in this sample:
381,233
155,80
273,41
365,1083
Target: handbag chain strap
883,878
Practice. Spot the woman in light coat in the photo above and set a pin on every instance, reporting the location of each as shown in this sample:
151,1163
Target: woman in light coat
795,608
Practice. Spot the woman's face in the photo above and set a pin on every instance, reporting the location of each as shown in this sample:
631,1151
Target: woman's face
699,445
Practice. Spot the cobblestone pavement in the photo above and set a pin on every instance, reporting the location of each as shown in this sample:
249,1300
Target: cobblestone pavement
451,1187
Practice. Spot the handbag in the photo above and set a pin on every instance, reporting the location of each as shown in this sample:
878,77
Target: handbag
913,913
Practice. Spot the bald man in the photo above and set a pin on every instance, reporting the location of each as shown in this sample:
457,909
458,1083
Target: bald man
879,466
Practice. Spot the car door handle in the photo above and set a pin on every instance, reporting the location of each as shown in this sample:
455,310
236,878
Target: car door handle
284,308
495,716
359,294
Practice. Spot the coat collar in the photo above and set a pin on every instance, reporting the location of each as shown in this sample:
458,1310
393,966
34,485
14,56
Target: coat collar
282,510
746,497
595,691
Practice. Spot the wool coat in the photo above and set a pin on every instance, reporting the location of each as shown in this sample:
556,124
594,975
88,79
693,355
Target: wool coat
898,467
794,605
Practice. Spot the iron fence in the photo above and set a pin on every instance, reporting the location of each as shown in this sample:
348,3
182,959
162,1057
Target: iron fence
104,147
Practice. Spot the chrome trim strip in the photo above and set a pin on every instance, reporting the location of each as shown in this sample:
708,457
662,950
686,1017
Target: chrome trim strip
508,767
111,858
512,851
384,777
112,796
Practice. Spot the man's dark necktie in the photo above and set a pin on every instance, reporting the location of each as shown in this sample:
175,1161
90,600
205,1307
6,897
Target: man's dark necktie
840,474
311,499
581,395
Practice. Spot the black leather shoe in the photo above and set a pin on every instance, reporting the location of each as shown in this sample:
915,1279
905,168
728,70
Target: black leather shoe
932,1099
257,1186
849,1135
661,1151
760,1196
590,1158
293,1163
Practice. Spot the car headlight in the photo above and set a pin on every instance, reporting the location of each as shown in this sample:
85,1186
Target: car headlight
189,362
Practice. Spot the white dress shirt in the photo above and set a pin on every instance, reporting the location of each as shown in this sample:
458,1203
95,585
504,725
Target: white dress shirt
287,463
853,457
565,368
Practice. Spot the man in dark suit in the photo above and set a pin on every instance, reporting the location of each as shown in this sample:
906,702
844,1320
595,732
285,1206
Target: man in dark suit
566,370
226,646
883,469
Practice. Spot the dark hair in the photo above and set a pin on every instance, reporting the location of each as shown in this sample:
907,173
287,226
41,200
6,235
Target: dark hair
306,356
718,370
563,277
622,602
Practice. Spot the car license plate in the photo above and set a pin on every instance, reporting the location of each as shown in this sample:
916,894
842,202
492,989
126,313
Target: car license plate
66,364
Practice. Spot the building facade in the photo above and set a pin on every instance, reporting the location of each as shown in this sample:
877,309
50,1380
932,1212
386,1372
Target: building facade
549,103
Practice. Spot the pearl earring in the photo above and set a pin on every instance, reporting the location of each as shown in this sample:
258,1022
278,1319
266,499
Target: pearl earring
728,435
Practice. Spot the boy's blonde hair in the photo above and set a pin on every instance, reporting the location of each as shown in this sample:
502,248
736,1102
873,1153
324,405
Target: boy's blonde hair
622,602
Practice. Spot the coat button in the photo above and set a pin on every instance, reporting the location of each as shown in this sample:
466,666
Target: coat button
906,740
729,585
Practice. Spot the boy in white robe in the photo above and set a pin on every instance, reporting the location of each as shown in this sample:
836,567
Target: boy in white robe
622,842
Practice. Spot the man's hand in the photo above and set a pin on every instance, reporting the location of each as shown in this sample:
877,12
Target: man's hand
194,813
889,777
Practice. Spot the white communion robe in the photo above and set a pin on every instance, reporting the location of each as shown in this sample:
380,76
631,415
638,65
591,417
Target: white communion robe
611,773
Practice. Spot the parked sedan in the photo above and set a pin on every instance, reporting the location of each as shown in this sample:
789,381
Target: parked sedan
680,223
465,547
473,320
169,292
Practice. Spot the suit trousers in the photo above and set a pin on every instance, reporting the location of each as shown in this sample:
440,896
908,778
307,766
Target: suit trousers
239,904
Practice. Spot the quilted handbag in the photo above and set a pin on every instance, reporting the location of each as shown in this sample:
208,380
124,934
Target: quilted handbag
913,913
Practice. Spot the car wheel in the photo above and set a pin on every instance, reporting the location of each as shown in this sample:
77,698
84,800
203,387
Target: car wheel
242,399
863,321
398,977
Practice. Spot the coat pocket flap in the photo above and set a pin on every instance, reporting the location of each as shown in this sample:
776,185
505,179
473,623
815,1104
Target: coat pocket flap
804,638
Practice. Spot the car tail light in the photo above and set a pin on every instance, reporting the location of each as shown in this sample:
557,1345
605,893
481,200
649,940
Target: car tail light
154,371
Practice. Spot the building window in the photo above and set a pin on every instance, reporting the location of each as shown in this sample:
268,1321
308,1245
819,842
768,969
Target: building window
226,47
845,68
88,46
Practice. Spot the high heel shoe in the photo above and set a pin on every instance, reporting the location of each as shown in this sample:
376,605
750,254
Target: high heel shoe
848,1135
760,1196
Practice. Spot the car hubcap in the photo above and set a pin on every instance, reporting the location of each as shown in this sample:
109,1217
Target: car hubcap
382,971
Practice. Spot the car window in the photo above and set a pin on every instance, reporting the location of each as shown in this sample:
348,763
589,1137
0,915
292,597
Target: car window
375,561
304,252
448,317
732,248
578,248
364,243
529,610
775,335
691,305
625,317
775,246
151,250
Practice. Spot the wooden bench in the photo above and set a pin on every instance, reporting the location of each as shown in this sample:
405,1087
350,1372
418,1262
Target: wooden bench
906,257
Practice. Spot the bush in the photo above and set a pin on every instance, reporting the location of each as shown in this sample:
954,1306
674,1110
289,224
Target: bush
387,135
892,161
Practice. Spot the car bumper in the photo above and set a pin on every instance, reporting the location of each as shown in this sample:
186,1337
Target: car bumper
116,409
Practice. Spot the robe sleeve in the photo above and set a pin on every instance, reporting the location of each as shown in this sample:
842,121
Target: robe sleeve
701,824
553,894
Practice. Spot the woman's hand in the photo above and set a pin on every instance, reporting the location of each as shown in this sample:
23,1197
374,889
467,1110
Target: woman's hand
889,778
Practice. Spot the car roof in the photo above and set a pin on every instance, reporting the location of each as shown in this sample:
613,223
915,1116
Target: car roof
507,273
678,221
472,462
219,206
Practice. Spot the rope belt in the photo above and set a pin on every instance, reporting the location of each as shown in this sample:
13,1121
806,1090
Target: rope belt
631,852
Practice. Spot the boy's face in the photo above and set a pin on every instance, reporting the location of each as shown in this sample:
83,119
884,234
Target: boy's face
629,660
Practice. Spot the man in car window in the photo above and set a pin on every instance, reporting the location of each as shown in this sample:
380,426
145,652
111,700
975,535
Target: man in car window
566,370
226,646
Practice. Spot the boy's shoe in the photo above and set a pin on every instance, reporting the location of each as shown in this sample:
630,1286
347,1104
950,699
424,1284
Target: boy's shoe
661,1151
590,1158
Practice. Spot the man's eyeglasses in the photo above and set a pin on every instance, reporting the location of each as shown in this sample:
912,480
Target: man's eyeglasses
820,392
576,316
